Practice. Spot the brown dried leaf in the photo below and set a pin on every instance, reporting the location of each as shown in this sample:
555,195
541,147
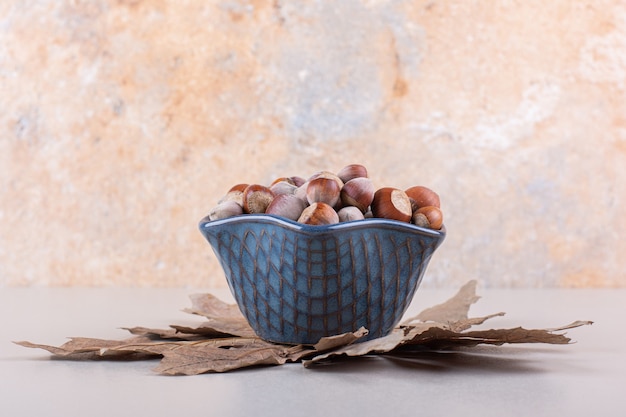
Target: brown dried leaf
81,348
437,337
378,345
194,359
210,306
164,334
157,347
220,327
207,331
223,317
333,342
235,353
211,329
226,342
572,325
453,310
465,324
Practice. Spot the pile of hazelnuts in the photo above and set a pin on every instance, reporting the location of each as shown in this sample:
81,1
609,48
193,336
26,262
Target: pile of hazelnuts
328,198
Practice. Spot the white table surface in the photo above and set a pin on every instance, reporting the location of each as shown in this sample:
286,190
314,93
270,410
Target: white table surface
581,379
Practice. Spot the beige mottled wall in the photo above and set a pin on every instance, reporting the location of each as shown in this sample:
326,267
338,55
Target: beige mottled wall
122,122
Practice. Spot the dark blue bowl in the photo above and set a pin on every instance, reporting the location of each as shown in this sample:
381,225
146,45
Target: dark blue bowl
296,283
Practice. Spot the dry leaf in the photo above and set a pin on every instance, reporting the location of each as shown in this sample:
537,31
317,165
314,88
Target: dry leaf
380,345
81,348
451,311
220,328
465,324
226,342
438,338
223,317
210,306
333,342
221,355
164,334
197,359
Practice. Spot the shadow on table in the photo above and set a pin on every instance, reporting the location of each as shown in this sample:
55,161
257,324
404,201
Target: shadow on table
483,359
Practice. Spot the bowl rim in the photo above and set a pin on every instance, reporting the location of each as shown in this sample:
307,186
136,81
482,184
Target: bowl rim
206,223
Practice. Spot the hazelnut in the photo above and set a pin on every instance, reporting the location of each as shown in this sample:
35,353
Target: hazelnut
327,198
225,209
327,174
323,189
286,205
297,181
319,214
282,179
234,194
238,187
392,203
352,171
283,187
350,213
301,192
256,198
423,196
358,192
428,216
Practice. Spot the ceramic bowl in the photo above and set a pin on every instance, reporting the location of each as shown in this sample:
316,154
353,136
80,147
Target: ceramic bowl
296,283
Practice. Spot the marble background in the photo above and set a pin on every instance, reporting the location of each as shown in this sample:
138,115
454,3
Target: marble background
122,122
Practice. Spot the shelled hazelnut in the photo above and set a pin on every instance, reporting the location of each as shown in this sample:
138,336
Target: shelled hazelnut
327,198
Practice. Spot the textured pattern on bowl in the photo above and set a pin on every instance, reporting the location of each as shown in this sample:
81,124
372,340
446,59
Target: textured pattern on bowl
296,283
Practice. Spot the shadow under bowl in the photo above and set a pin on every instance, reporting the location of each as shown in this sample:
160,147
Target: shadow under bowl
296,283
